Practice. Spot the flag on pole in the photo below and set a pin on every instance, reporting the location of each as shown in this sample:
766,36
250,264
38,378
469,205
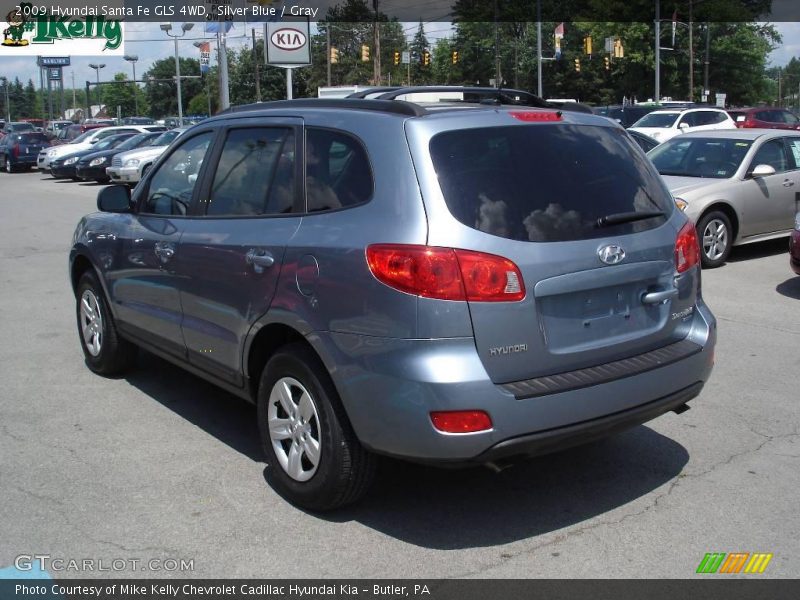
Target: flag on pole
205,56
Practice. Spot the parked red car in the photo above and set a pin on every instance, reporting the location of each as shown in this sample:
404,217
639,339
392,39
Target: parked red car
794,246
765,118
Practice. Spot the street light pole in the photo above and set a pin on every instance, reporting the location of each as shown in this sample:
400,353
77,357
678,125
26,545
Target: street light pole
8,106
97,68
132,58
166,28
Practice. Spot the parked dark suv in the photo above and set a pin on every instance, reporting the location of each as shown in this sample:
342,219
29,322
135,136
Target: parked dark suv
447,284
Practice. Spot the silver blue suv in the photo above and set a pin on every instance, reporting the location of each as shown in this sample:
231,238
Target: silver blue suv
450,284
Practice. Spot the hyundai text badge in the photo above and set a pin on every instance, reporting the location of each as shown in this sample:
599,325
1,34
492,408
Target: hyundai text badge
611,254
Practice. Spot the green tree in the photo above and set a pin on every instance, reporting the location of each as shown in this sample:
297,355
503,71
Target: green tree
124,94
162,92
421,74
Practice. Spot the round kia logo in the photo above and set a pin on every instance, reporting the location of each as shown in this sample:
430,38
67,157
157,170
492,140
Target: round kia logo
288,39
611,254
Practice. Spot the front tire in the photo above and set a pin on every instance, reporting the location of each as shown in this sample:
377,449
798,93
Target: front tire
105,352
314,457
715,234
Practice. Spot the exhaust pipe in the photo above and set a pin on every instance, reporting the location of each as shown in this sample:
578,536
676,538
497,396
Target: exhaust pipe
498,467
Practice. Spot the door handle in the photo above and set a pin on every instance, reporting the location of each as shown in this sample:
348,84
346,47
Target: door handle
164,251
788,183
259,259
658,297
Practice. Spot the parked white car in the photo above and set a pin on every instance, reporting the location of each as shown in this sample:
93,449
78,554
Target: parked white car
129,167
86,141
662,125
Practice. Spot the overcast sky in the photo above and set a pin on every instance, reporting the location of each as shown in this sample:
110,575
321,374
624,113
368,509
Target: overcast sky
149,43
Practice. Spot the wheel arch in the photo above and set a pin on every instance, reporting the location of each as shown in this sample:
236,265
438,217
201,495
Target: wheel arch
266,337
729,211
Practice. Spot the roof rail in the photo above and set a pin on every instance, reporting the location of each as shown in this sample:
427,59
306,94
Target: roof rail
373,90
502,95
394,107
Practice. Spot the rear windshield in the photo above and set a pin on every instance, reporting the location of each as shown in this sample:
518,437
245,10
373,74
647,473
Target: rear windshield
547,183
33,138
657,120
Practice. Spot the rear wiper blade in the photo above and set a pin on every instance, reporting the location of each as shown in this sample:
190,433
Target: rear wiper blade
627,217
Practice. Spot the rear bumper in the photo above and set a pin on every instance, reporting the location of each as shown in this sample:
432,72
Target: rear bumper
553,440
390,386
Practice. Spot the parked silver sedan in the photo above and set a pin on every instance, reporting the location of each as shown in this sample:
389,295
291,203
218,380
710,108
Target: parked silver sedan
738,186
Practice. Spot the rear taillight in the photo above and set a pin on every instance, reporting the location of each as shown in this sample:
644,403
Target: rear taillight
15,150
687,249
748,124
446,273
461,421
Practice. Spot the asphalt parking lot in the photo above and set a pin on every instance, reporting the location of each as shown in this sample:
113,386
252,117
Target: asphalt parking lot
160,465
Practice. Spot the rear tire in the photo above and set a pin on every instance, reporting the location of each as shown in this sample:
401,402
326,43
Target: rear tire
9,168
314,457
715,234
105,352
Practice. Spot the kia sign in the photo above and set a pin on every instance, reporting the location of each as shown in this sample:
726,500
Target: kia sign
288,39
288,43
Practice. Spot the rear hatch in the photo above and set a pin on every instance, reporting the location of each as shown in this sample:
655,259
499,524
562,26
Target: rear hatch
30,144
592,229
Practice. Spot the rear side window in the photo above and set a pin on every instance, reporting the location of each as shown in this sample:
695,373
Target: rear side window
255,174
546,183
338,172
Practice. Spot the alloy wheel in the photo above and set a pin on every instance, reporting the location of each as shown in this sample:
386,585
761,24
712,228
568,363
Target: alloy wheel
294,428
715,239
91,323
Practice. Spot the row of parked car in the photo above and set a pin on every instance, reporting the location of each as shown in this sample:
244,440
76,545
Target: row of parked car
120,154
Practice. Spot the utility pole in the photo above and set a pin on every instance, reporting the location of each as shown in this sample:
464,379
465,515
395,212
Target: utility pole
658,53
497,81
376,59
255,66
691,56
74,100
222,61
705,63
780,88
539,48
328,53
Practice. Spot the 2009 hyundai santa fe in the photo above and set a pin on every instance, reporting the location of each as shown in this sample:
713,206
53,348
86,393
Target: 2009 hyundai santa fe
445,284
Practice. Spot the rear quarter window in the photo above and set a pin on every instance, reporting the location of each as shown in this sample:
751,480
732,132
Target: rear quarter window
546,183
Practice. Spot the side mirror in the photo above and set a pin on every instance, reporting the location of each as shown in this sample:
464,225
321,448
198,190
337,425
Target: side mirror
683,126
94,141
114,199
763,171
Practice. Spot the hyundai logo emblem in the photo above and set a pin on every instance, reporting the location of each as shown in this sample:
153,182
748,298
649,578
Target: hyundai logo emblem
611,254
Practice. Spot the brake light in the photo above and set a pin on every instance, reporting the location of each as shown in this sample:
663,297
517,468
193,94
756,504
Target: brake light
687,248
461,421
15,150
536,115
446,273
749,123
